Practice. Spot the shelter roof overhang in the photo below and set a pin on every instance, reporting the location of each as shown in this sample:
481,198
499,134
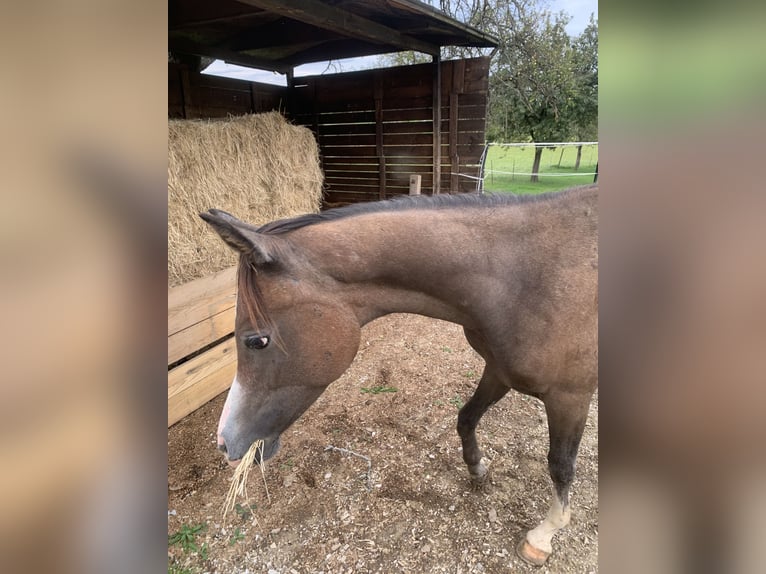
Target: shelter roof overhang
279,35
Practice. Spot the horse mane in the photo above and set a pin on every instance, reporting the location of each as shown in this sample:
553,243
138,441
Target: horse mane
247,284
405,203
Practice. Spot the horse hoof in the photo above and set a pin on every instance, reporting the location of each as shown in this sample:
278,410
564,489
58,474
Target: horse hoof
530,554
478,473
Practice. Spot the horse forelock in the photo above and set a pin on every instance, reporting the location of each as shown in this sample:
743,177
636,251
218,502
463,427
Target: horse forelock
250,295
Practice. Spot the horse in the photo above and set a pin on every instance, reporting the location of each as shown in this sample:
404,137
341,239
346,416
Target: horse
519,273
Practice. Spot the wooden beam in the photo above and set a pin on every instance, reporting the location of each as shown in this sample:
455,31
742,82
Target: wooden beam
457,84
343,22
378,93
183,24
183,46
186,93
437,120
415,184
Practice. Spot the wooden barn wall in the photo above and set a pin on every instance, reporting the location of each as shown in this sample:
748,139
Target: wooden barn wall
192,95
375,128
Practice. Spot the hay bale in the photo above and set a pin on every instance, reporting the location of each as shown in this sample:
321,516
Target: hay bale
257,167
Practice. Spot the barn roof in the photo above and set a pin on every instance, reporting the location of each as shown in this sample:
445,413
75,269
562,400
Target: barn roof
281,34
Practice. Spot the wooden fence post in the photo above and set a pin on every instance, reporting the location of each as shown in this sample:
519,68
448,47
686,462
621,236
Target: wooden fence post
415,184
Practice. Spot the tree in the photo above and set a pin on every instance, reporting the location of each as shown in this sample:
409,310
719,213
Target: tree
543,87
584,105
535,78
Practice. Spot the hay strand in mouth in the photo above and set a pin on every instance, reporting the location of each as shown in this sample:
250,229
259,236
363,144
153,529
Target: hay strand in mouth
238,486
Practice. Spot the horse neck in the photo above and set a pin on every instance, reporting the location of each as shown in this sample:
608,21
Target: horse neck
421,262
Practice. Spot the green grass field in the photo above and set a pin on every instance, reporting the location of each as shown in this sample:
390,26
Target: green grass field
519,159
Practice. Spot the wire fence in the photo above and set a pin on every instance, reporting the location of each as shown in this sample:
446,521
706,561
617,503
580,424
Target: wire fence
508,179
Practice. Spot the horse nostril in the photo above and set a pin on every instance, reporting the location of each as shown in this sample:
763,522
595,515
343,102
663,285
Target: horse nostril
222,447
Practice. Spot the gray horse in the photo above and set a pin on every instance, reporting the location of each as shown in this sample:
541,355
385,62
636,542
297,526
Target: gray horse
520,274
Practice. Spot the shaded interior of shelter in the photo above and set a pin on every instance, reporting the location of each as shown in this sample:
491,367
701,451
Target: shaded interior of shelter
375,128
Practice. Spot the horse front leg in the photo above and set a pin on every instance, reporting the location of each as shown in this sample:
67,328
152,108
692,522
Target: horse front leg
489,391
566,422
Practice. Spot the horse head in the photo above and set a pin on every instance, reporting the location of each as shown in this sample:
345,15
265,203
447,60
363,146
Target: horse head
293,337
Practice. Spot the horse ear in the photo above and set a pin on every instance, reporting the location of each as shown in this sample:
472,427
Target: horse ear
241,236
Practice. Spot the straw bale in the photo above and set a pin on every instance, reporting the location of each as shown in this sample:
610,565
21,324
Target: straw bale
257,167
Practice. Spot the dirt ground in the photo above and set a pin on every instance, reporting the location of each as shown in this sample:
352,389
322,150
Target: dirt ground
417,512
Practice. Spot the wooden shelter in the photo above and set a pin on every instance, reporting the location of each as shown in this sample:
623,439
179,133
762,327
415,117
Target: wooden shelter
375,128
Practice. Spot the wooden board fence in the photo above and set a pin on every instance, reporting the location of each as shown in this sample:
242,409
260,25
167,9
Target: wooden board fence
201,347
375,128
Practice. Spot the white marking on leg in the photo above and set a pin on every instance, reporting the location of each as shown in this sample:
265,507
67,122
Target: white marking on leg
558,517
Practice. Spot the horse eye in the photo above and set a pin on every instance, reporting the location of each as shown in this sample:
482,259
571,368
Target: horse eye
257,341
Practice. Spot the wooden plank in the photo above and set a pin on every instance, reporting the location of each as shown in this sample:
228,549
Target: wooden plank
192,302
410,151
465,112
480,85
469,125
346,129
186,94
350,139
452,138
197,381
337,168
373,189
174,87
408,127
342,94
412,139
351,196
416,152
195,337
437,118
473,99
464,139
349,179
412,113
382,177
378,89
341,151
409,167
236,100
464,125
397,103
470,139
347,117
476,68
333,160
263,100
402,179
409,92
468,155
458,72
458,77
216,112
415,181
